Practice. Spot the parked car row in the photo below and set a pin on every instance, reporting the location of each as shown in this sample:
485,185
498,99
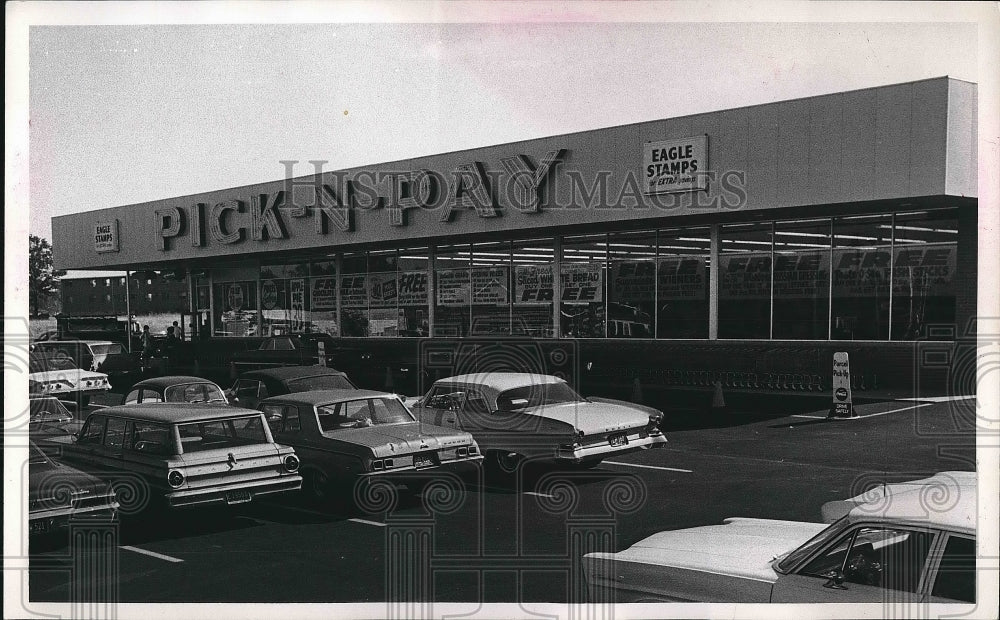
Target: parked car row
191,443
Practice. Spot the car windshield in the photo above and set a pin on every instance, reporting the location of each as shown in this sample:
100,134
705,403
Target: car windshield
206,392
35,454
806,549
42,409
225,433
362,413
107,349
45,363
320,382
536,395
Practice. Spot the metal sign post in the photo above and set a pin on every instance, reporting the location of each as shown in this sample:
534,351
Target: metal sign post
842,407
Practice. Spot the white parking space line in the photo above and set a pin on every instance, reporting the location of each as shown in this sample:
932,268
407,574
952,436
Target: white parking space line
874,415
152,554
367,522
683,471
870,415
537,494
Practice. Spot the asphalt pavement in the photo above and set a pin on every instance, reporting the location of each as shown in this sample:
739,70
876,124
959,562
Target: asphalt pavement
479,542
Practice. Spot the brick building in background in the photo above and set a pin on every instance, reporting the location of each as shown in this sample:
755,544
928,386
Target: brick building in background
104,294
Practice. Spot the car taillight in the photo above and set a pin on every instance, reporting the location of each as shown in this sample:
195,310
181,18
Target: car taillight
291,463
473,450
378,465
463,452
175,478
388,463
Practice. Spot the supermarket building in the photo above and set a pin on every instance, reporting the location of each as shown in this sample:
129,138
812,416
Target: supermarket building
743,245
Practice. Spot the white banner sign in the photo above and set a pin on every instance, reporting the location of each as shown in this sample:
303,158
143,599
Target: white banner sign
675,165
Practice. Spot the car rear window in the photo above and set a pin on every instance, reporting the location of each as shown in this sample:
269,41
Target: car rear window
194,393
107,349
224,433
536,395
320,382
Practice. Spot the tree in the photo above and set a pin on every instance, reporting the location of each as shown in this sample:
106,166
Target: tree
42,278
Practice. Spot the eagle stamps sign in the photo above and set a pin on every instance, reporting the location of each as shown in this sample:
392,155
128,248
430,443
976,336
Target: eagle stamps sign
675,165
106,236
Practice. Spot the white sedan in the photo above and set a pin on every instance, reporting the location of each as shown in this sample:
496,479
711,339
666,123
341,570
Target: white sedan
59,376
911,542
520,416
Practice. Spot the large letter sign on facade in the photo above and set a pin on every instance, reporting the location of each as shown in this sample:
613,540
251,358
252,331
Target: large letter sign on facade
675,165
106,236
842,406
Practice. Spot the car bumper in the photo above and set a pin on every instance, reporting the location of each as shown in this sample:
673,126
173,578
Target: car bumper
237,493
46,521
589,453
458,466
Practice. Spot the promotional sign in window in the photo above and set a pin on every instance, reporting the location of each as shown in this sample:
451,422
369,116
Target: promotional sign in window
926,270
453,287
235,297
353,291
581,282
297,299
489,285
802,275
675,165
412,288
634,281
269,299
382,290
745,276
682,278
324,294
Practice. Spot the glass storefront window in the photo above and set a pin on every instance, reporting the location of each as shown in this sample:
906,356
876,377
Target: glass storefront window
323,297
682,283
383,297
631,285
490,289
801,280
533,262
923,274
412,289
745,281
236,309
452,286
862,257
354,295
584,274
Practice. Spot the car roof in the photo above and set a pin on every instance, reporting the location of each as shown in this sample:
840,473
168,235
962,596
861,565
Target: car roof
291,372
175,412
946,500
501,381
323,397
77,341
164,382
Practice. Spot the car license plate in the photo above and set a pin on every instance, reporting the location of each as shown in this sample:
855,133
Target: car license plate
39,526
618,440
423,460
238,497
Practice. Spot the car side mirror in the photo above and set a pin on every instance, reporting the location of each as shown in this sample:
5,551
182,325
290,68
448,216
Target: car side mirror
835,580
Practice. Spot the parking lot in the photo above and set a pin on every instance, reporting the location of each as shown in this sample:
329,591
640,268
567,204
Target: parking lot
481,543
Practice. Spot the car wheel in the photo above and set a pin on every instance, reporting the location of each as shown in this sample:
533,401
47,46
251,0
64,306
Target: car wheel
316,486
503,465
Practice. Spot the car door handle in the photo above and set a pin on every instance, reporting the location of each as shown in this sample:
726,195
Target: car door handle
450,420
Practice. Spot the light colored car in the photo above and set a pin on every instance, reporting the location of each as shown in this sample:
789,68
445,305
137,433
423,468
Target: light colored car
912,543
175,389
518,416
185,454
105,356
347,436
59,376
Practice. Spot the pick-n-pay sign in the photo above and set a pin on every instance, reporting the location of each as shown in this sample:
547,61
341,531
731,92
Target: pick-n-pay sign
675,165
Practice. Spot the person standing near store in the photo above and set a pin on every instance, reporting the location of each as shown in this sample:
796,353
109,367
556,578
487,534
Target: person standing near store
178,331
146,340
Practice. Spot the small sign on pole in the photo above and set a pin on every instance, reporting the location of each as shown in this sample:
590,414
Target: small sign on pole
842,406
322,352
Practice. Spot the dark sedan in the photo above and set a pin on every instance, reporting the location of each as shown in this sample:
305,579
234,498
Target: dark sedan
58,493
175,389
256,385
286,350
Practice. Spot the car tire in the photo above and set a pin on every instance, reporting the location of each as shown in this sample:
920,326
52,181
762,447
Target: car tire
316,486
503,466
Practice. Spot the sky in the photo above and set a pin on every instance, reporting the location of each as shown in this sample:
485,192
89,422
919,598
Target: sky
122,114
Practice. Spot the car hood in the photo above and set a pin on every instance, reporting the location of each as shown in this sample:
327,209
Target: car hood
741,548
394,439
592,418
